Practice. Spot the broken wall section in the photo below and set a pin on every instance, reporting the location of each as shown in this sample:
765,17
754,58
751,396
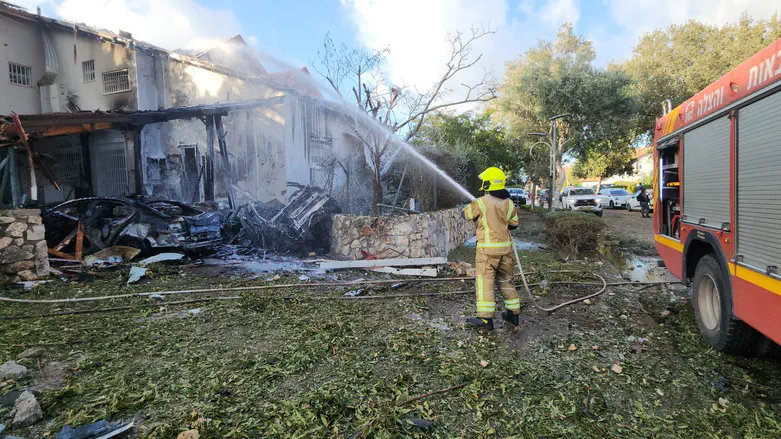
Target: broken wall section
23,250
432,234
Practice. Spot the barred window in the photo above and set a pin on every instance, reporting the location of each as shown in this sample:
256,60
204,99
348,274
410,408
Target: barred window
88,67
20,75
117,81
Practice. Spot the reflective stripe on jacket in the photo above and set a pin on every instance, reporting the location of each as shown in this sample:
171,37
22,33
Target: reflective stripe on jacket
492,215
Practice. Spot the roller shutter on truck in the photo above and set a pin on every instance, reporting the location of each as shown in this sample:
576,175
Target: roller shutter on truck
706,176
759,183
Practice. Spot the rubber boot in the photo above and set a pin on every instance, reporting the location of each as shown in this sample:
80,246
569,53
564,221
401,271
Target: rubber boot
481,323
511,318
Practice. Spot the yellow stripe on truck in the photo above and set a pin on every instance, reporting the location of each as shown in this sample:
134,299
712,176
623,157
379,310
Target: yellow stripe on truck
761,280
673,244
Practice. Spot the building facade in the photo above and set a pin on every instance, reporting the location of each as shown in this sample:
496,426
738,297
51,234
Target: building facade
59,67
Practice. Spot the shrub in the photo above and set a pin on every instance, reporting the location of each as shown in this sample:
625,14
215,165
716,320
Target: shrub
572,232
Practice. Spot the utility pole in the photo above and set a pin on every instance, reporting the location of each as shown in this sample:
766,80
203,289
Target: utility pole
554,157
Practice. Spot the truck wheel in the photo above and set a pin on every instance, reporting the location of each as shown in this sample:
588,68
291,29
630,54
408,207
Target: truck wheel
612,204
599,214
766,347
713,311
628,206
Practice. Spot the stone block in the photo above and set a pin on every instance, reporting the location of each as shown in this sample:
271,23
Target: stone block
7,219
16,267
16,229
28,275
35,219
28,248
19,242
36,232
5,242
14,254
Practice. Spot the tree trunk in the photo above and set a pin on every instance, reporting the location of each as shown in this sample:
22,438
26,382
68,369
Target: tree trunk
599,184
377,186
534,194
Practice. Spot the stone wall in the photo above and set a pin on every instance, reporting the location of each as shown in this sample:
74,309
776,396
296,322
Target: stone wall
23,250
415,236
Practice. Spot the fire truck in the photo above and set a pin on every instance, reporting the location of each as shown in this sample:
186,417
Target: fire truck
717,217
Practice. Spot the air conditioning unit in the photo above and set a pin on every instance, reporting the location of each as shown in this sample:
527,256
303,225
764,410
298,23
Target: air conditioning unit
54,98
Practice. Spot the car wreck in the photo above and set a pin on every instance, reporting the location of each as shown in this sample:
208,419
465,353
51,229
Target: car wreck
88,225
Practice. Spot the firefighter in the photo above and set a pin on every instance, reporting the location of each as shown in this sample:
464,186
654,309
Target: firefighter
494,215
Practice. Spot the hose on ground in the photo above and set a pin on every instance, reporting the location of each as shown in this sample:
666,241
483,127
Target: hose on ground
554,308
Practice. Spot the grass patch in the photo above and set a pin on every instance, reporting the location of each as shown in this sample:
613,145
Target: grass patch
265,366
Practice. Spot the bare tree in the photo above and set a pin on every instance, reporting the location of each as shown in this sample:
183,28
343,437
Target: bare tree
399,110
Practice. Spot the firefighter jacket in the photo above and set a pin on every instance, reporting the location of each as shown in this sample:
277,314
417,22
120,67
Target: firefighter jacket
492,215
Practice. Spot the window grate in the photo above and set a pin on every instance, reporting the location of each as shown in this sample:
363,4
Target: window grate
20,75
88,67
117,81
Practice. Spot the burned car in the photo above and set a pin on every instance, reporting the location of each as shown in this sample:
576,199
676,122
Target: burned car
146,224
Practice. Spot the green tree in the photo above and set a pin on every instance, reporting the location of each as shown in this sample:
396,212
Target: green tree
677,62
603,162
559,78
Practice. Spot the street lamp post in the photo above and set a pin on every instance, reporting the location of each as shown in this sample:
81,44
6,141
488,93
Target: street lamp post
554,152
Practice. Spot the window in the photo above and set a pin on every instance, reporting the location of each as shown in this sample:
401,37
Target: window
88,68
582,191
20,75
117,81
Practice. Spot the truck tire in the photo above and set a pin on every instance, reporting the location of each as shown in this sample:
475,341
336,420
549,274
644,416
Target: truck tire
628,206
712,303
766,347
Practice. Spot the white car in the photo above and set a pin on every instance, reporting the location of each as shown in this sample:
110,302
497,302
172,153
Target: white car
614,197
633,204
581,198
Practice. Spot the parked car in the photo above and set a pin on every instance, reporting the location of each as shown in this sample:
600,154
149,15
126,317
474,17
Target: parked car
581,198
614,197
146,224
517,195
633,204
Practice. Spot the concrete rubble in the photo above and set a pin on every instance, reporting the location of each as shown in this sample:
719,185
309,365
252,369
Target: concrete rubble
11,370
27,410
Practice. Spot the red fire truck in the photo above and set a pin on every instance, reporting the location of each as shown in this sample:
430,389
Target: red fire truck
717,218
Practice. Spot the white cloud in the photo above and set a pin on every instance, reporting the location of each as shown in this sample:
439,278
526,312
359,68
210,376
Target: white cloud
417,40
556,12
170,24
637,17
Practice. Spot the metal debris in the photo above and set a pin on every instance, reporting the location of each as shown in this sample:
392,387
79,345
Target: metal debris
96,430
302,226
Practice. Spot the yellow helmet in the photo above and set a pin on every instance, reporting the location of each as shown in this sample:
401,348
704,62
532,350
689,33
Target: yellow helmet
493,179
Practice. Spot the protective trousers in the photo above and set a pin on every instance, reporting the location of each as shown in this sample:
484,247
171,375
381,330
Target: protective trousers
498,268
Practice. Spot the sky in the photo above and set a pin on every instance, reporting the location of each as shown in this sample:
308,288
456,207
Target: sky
292,31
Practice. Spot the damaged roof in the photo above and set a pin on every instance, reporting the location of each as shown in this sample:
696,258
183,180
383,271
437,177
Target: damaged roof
55,124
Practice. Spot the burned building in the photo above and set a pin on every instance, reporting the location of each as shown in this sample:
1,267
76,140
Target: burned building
64,70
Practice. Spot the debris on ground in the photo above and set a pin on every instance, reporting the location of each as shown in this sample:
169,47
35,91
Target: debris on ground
135,275
418,272
96,430
162,257
462,268
11,370
143,223
303,226
372,263
115,255
27,410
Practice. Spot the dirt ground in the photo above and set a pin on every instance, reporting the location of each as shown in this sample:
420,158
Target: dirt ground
630,226
301,362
